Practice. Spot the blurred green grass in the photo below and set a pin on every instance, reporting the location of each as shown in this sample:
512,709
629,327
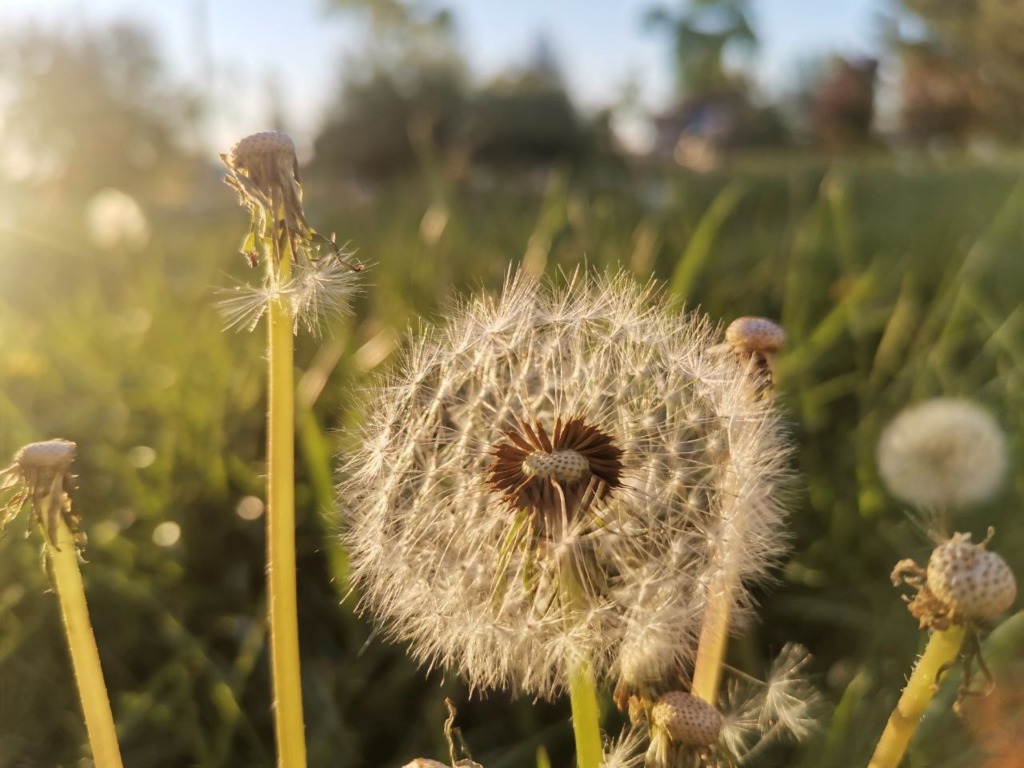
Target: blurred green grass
896,279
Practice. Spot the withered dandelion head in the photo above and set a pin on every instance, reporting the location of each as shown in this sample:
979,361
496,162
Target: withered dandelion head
556,475
320,278
41,474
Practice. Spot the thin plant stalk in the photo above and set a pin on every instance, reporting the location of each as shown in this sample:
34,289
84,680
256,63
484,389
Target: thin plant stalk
943,649
85,658
586,713
586,717
281,587
714,634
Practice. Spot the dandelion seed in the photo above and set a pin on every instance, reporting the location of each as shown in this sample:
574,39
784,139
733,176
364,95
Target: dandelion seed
943,453
756,713
627,751
558,475
41,474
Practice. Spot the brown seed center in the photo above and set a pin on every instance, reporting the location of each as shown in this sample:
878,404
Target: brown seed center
564,466
568,472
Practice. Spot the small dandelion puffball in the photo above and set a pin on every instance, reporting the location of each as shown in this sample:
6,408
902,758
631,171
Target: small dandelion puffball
942,453
560,475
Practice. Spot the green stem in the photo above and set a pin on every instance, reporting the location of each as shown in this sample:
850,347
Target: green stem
586,714
85,658
281,589
586,717
943,649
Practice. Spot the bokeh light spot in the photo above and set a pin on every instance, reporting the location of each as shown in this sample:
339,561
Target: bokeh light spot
166,534
250,508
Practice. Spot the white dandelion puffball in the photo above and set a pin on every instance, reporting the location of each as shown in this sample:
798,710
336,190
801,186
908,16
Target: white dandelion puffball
942,452
559,476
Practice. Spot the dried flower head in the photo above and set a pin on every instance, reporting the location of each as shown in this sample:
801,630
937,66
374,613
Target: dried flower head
684,730
559,475
962,582
686,719
943,453
319,279
41,473
975,583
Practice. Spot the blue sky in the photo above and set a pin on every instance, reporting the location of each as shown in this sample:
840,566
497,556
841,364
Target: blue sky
299,48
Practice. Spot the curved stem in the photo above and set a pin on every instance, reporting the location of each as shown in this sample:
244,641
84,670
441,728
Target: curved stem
85,658
943,649
281,586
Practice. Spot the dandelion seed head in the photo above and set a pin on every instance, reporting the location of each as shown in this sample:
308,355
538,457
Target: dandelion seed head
945,452
554,476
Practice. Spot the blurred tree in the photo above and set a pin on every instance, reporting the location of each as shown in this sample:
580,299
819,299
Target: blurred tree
382,113
715,106
980,44
843,103
88,107
406,98
704,32
406,86
938,100
526,116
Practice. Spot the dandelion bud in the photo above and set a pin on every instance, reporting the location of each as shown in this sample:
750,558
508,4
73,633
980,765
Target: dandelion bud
754,342
973,582
686,719
755,334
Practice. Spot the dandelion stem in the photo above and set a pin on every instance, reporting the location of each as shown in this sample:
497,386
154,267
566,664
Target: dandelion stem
943,648
714,633
85,658
586,716
281,590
